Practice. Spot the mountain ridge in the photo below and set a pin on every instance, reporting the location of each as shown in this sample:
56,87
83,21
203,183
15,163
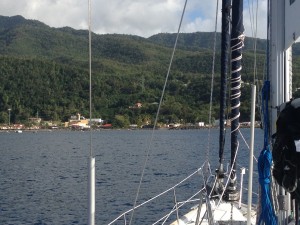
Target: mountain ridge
38,59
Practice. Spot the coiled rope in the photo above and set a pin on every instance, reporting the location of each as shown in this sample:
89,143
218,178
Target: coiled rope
267,215
236,82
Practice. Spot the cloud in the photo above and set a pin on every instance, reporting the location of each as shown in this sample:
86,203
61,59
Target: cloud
138,17
142,18
250,21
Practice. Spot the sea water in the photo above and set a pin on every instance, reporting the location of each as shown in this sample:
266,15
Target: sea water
43,175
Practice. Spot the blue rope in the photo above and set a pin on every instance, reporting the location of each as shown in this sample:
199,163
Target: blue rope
264,170
267,215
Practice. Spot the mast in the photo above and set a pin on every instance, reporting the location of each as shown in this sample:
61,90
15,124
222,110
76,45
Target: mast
237,38
225,45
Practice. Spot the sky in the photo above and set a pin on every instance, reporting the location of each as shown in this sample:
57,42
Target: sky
137,17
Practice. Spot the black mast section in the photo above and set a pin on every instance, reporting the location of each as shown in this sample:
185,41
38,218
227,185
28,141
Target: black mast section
237,43
225,46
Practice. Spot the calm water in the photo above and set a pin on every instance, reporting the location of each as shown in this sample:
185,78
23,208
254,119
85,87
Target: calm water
43,175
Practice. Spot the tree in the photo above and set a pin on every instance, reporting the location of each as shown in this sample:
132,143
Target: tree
121,121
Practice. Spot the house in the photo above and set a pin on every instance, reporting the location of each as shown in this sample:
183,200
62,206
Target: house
174,125
136,106
133,126
78,122
200,124
17,126
35,120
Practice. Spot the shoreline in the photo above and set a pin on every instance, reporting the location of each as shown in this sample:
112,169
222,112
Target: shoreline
103,129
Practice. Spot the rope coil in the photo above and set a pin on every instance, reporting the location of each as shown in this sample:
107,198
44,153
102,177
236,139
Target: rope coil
267,215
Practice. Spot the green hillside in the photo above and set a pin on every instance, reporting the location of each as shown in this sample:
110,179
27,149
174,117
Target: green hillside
44,70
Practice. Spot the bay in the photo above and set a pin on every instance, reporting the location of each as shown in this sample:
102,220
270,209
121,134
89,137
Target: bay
43,175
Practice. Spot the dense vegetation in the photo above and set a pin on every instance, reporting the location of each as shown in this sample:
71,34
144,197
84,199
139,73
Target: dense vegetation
44,72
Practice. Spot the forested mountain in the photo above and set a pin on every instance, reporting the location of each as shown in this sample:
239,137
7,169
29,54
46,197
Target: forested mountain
44,70
201,40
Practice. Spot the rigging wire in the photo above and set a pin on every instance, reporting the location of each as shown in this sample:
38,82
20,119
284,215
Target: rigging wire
90,76
242,136
196,172
255,44
228,179
206,163
253,22
157,114
212,87
91,161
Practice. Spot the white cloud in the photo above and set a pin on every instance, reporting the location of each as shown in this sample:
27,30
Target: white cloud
250,17
142,18
139,17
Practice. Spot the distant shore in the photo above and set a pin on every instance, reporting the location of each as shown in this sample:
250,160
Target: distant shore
103,129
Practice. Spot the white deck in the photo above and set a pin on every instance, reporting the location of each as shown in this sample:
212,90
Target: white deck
226,213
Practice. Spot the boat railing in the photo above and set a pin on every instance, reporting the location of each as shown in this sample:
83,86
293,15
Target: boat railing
195,197
177,205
